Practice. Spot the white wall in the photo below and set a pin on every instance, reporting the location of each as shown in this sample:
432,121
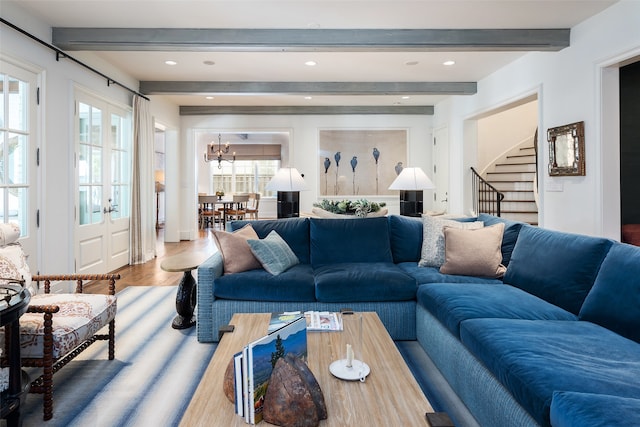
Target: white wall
500,132
567,84
302,150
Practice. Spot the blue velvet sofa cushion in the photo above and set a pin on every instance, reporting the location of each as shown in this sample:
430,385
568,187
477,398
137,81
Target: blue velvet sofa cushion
405,234
295,284
452,303
433,275
294,231
571,409
349,240
557,267
534,358
363,282
509,237
614,300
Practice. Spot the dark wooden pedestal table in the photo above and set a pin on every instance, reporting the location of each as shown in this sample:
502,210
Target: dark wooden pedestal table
14,306
186,295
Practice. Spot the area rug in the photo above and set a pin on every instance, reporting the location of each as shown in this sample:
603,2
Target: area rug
151,380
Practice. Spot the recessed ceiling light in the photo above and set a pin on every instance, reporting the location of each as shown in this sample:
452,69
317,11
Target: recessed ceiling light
411,63
406,97
209,63
170,62
209,97
449,62
311,63
308,97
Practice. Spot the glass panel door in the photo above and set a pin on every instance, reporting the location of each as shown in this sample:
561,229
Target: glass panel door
18,172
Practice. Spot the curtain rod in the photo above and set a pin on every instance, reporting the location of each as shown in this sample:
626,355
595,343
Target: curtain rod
61,54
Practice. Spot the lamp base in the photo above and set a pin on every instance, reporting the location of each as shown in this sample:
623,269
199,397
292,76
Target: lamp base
288,204
411,203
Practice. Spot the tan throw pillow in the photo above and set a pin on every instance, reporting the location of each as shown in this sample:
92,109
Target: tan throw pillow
474,252
236,253
433,238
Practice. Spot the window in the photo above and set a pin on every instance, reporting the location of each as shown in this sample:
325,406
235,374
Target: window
14,151
244,176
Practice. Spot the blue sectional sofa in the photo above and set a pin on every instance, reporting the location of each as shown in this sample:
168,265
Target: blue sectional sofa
556,341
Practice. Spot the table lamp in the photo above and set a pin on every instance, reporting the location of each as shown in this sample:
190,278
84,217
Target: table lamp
411,182
288,183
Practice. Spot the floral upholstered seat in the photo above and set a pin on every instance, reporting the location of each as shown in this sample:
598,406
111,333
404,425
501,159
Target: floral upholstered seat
80,317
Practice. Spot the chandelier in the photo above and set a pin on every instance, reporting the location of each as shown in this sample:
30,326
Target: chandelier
214,153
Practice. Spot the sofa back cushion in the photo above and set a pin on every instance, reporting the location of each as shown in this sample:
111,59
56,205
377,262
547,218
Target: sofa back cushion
405,234
349,240
294,231
509,237
557,267
614,300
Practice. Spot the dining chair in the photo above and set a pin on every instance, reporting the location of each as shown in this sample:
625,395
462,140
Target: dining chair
238,209
252,206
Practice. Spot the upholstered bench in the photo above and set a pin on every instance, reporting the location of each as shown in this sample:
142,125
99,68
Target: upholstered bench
56,327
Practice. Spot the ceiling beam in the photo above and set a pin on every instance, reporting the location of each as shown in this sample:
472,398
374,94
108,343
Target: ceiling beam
186,110
305,40
308,88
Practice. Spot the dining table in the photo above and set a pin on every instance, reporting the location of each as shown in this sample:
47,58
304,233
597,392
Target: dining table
209,201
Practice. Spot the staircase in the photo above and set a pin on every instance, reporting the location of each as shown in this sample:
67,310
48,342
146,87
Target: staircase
514,176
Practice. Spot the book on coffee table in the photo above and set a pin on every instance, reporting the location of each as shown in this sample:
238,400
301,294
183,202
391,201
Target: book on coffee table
262,354
279,320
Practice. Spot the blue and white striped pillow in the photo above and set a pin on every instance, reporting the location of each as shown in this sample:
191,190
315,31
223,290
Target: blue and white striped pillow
274,253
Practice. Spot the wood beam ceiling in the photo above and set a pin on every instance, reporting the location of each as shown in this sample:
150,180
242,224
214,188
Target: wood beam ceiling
300,40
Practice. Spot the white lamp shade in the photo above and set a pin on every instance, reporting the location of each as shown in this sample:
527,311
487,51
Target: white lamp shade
412,179
286,179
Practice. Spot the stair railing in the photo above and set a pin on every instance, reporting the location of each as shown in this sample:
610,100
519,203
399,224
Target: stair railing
486,198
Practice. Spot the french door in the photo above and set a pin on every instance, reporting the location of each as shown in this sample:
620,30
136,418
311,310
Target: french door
18,148
103,177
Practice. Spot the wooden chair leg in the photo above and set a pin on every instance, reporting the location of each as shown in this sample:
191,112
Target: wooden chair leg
112,339
47,368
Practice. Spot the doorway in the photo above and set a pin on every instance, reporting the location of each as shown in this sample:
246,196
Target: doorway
630,152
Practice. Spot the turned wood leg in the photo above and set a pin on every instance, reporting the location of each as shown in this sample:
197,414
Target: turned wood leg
47,379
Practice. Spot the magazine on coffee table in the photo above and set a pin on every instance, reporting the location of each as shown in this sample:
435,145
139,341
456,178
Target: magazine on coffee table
323,321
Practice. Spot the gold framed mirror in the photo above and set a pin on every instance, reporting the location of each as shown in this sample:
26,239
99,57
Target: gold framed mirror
566,150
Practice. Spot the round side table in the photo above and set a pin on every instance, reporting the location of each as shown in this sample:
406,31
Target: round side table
15,302
186,295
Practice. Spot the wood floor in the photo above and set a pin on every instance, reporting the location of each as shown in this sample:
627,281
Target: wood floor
150,273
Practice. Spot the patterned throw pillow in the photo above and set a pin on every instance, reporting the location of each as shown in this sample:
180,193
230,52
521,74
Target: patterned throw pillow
273,253
236,253
9,233
433,238
13,265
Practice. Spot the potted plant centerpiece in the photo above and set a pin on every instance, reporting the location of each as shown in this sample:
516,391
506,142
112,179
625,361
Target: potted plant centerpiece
349,208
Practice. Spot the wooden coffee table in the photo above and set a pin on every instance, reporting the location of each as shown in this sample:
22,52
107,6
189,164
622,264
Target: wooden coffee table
390,396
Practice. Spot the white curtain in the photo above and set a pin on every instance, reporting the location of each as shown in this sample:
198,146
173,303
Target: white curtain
143,232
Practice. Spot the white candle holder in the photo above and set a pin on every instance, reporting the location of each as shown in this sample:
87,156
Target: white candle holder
351,366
